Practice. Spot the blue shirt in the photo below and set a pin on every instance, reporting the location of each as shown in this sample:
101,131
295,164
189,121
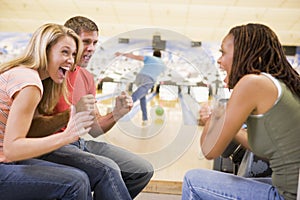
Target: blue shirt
153,67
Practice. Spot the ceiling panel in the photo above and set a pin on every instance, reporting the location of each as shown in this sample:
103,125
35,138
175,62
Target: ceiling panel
290,4
206,12
201,20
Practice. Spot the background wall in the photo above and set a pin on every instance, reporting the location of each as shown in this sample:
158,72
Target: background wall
12,44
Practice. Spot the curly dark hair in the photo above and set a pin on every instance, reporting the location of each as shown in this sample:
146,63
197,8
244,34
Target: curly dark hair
257,49
80,23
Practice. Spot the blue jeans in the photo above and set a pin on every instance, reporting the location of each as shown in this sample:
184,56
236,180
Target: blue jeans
144,83
114,173
214,185
38,179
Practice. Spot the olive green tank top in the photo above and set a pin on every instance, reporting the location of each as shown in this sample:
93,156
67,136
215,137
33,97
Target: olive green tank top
275,135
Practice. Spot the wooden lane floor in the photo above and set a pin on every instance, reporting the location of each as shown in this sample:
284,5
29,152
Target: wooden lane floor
170,142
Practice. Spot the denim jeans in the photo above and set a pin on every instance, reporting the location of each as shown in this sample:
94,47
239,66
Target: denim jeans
144,83
114,173
37,179
214,185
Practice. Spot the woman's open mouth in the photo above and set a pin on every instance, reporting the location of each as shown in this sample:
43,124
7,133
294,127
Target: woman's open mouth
63,70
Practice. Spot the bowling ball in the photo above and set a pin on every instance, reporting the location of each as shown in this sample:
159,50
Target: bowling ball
159,111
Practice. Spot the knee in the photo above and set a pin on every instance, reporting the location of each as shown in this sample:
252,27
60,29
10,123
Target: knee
148,166
144,166
197,176
110,164
190,175
79,182
80,178
147,171
109,168
187,185
150,170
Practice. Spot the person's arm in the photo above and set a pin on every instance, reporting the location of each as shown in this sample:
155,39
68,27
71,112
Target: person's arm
242,138
104,123
46,125
220,130
130,55
204,113
17,147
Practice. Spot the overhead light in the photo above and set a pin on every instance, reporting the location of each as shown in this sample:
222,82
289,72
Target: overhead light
157,43
124,40
289,50
196,44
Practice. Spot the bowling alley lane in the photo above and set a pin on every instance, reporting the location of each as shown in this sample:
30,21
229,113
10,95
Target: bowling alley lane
170,142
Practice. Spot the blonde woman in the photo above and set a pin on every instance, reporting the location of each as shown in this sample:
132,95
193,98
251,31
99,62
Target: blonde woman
52,51
114,172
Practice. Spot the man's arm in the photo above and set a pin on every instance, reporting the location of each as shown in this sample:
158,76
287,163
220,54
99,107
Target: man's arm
46,125
130,55
104,123
108,121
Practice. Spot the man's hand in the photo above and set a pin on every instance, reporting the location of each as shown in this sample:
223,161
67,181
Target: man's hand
105,123
86,103
79,123
123,105
118,54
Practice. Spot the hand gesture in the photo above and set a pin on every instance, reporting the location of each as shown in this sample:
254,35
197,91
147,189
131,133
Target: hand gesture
79,124
123,105
118,54
86,103
204,113
219,107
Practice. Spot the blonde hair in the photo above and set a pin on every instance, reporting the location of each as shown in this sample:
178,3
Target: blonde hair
35,57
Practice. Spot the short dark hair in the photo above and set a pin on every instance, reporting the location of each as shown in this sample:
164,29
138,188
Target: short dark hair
80,23
157,53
